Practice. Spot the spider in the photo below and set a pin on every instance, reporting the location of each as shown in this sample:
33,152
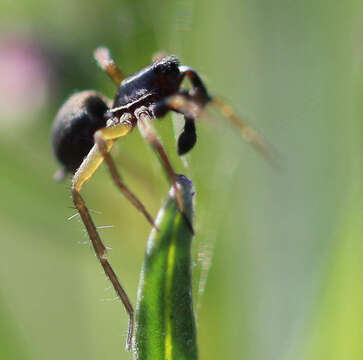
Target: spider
86,127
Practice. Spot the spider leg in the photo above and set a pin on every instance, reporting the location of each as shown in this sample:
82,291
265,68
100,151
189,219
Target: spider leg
101,254
89,165
148,132
181,103
257,141
104,60
199,91
102,138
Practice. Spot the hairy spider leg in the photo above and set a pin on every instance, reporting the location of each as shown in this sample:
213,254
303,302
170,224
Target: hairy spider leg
104,140
102,137
101,254
148,132
105,61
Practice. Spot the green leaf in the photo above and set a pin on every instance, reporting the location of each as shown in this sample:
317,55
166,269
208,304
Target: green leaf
165,324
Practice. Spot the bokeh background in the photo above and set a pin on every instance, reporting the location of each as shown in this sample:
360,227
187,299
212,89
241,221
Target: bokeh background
285,248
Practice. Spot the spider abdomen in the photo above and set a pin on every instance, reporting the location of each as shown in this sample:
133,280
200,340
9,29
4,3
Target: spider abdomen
74,127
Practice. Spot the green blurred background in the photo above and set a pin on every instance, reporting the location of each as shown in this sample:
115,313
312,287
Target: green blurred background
286,248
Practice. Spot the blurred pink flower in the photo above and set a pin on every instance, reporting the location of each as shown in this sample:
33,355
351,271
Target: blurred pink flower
24,79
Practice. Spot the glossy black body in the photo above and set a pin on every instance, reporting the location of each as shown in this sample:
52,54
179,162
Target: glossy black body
86,112
74,126
150,85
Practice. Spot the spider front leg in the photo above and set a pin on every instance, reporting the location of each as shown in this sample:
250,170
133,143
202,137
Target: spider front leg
101,254
90,164
257,141
182,103
148,132
198,91
103,138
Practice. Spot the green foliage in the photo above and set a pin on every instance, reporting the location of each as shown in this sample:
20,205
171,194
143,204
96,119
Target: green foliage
165,318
